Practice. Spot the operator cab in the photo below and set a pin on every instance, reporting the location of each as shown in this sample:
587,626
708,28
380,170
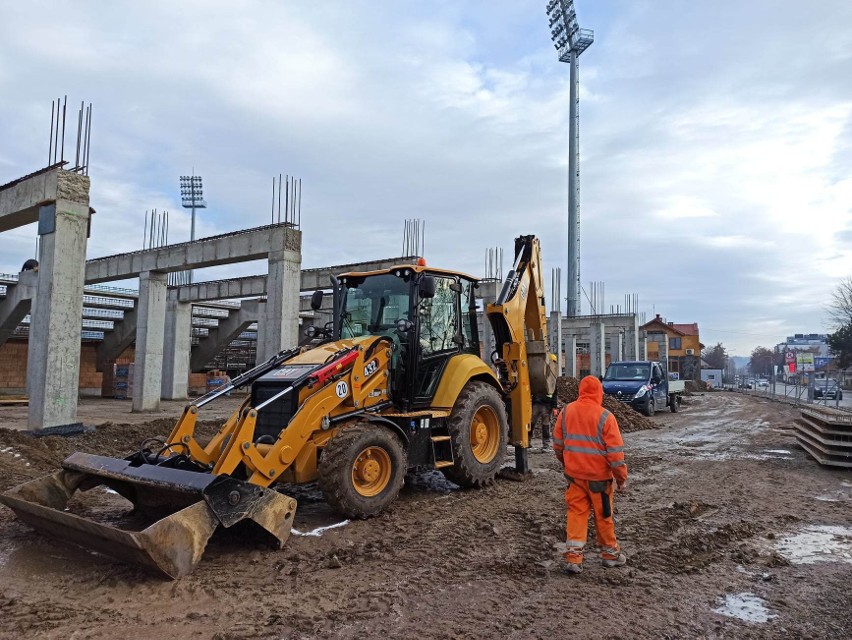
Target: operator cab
428,314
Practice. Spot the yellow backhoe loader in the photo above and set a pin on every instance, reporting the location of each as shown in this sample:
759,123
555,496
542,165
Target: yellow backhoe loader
394,382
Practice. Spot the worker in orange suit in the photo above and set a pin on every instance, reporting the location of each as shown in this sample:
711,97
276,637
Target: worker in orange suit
588,444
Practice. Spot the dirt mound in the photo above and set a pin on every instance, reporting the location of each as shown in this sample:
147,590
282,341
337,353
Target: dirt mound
23,456
567,390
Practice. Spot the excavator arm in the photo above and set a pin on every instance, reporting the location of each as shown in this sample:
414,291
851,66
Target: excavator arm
519,321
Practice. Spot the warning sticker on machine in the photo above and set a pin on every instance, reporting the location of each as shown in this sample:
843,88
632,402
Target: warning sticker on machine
342,389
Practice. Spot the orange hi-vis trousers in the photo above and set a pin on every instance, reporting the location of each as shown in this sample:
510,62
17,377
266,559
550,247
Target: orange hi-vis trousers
581,500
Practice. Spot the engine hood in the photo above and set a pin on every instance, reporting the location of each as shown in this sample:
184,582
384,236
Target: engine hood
627,387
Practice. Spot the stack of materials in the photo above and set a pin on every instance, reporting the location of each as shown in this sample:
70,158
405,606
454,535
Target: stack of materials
826,434
122,381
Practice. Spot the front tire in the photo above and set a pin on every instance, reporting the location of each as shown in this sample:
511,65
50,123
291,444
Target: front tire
362,469
649,407
648,410
478,429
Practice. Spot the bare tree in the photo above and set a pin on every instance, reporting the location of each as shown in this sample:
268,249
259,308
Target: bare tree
840,307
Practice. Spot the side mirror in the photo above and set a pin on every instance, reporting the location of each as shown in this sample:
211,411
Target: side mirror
316,299
426,287
600,378
403,325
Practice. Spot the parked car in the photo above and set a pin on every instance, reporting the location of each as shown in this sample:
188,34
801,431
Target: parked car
762,384
827,388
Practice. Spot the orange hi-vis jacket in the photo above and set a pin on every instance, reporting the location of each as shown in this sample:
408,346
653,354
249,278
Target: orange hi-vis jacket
587,437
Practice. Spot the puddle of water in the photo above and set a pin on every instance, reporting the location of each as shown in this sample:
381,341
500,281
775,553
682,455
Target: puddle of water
319,530
745,606
825,498
782,451
818,543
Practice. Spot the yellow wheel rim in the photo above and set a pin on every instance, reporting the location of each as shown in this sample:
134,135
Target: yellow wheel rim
485,434
371,471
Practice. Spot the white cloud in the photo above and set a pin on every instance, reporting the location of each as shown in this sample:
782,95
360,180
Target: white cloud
713,159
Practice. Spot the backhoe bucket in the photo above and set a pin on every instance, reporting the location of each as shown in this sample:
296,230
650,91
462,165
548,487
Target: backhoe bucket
172,545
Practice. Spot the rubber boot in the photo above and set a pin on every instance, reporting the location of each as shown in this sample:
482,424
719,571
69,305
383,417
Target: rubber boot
571,568
620,561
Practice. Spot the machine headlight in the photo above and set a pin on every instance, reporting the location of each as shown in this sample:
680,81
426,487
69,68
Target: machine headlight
642,391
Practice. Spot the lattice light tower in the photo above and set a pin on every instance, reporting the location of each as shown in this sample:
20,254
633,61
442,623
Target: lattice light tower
570,41
192,197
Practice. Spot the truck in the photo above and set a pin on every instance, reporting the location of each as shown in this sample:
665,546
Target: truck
396,381
644,385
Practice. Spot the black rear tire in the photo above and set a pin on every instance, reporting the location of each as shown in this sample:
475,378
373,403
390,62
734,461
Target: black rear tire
347,491
482,401
674,402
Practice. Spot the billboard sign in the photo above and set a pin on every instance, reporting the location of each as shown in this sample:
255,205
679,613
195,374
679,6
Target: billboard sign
820,362
805,362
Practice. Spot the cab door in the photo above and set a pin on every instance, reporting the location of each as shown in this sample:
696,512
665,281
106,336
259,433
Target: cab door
437,339
660,386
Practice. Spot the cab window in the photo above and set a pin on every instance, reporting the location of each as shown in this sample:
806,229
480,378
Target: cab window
438,319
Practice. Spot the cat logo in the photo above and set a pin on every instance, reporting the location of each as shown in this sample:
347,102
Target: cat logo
370,368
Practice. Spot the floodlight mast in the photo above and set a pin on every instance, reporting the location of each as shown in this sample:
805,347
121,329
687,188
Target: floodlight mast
570,41
191,194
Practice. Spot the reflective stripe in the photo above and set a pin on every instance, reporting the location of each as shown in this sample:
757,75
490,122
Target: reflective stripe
577,436
558,440
588,450
614,449
601,423
575,544
620,463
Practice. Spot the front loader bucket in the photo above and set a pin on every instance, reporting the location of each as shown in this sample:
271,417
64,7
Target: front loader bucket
172,545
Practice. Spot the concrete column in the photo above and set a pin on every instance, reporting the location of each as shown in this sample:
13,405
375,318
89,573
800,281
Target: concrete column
633,337
282,304
571,357
555,334
644,345
176,349
150,327
53,358
260,346
616,347
597,348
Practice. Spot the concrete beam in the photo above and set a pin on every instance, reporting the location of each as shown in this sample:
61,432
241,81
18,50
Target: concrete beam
254,286
21,200
17,303
151,320
241,246
227,331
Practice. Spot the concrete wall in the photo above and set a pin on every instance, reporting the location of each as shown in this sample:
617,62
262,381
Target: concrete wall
13,368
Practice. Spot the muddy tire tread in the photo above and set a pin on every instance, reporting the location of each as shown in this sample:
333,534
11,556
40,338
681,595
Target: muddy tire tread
334,470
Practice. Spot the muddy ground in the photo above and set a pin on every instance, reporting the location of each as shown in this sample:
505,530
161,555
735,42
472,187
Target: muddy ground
723,508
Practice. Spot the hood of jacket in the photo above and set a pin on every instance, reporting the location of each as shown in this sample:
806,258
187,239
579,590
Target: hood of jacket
591,389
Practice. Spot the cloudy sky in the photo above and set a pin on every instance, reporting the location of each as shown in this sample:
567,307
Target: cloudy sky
716,136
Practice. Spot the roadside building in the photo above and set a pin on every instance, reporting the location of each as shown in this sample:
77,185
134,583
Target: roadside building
677,345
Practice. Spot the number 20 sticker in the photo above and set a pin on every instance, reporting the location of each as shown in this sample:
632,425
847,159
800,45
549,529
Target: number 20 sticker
342,389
